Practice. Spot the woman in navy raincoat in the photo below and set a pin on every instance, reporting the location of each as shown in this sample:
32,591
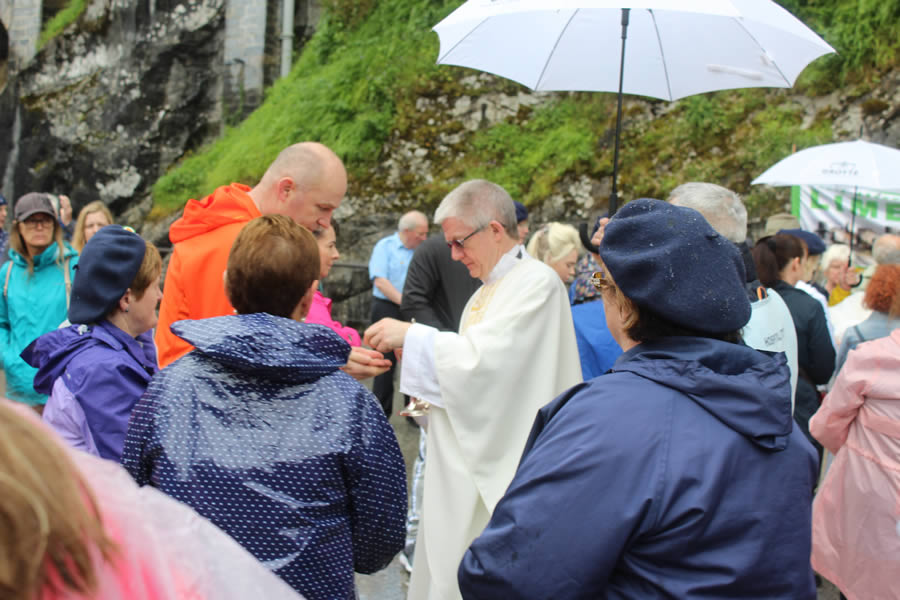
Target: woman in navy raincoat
676,475
260,431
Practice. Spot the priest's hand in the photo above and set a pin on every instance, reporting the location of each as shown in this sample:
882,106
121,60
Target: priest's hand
386,334
365,362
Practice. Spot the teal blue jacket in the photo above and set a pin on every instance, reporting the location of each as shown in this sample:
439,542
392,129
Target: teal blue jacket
32,305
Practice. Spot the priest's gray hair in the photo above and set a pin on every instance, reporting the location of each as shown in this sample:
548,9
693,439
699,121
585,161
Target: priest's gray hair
476,203
722,208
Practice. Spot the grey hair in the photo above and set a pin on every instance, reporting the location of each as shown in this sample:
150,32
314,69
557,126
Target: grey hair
410,220
835,252
554,241
476,203
886,249
722,208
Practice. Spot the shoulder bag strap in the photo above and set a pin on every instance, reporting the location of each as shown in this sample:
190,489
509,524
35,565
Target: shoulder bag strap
68,278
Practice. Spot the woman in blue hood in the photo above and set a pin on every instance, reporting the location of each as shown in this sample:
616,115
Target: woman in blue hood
260,431
96,369
678,474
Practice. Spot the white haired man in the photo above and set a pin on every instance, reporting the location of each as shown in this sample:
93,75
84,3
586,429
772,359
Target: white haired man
771,327
387,271
514,352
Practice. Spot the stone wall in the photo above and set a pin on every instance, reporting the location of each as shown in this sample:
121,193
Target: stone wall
23,24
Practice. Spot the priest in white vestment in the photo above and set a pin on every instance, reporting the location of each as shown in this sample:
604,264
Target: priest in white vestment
515,352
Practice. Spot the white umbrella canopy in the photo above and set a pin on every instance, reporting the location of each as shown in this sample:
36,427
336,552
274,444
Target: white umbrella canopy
676,48
844,164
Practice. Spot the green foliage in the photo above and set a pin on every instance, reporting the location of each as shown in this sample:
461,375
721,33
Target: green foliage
359,81
864,33
61,20
341,92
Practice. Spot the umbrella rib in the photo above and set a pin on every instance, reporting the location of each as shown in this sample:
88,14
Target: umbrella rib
537,84
461,40
662,53
740,21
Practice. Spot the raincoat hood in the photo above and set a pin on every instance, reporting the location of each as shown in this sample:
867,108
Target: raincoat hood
46,258
301,352
228,204
51,353
739,386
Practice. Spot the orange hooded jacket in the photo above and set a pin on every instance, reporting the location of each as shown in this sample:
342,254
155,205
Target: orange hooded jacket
194,287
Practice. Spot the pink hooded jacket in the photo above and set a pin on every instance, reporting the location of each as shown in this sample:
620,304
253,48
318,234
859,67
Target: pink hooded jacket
856,514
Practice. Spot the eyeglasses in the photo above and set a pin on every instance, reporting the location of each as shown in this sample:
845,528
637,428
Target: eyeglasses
459,244
41,221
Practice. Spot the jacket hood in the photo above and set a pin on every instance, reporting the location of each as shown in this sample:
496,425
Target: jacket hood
267,346
51,353
228,204
45,258
748,390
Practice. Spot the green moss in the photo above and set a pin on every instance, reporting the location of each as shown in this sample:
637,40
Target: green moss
61,20
359,83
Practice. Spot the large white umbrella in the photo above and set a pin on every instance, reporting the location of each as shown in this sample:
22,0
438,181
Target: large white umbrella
856,164
676,48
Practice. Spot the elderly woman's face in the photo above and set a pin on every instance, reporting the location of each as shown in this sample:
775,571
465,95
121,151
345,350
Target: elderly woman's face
834,271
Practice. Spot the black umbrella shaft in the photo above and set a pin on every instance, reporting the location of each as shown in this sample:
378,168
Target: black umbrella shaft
614,197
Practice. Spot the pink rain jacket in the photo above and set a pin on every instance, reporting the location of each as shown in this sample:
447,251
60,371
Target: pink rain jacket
856,514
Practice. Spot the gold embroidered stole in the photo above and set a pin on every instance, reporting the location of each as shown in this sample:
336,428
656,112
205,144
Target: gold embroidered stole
480,303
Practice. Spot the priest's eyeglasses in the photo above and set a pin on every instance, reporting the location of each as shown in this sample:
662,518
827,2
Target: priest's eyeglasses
460,244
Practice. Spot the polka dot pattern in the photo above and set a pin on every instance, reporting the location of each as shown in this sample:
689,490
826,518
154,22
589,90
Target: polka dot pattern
260,432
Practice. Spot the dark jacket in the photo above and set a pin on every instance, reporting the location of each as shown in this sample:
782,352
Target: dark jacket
815,351
437,287
260,432
677,475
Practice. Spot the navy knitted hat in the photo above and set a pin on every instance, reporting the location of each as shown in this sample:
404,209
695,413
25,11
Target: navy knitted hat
107,266
814,243
669,260
521,211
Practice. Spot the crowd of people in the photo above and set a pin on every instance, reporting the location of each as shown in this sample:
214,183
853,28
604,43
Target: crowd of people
662,407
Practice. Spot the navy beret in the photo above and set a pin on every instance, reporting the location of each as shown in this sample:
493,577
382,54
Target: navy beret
521,211
814,243
2,200
107,266
667,259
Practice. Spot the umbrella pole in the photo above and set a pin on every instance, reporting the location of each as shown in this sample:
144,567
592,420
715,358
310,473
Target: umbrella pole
852,225
613,197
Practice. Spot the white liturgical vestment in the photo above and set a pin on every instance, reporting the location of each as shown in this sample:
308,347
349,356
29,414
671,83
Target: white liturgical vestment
515,352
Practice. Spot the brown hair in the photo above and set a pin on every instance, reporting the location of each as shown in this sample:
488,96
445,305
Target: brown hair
149,270
772,253
883,289
272,265
50,526
17,243
644,325
78,240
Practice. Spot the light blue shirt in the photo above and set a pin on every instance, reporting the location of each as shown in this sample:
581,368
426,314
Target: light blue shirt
390,259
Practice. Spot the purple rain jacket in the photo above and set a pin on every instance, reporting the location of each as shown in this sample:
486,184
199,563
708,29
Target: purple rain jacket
94,375
259,431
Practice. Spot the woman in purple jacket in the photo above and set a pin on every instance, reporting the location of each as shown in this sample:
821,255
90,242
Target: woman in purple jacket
97,369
